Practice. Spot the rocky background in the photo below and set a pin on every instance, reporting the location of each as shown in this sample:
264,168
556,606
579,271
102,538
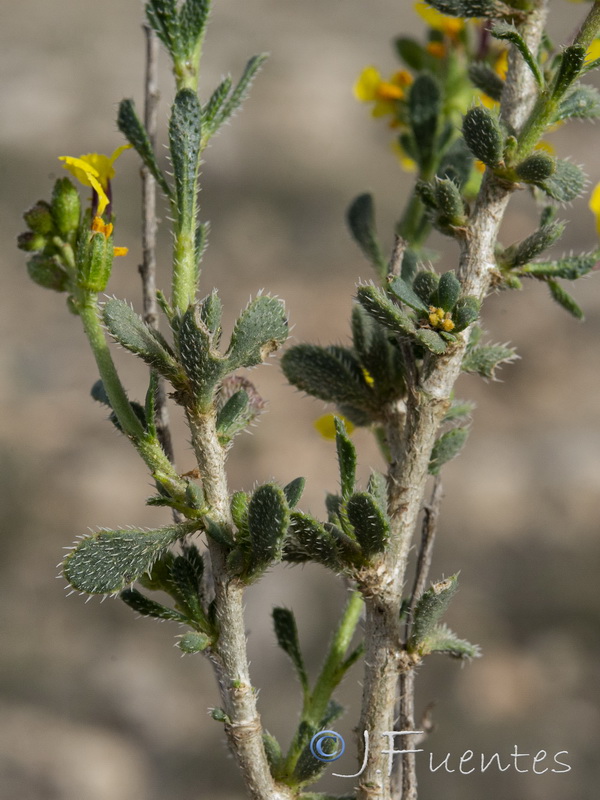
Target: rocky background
95,704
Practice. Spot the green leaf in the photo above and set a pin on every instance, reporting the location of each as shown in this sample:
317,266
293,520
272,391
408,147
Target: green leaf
260,330
565,300
229,106
212,107
192,19
406,295
110,560
186,589
442,640
377,488
571,64
431,340
328,373
130,330
581,102
268,520
384,311
486,359
346,453
286,632
486,80
193,642
449,202
164,20
535,244
48,272
483,136
228,417
293,491
361,221
536,168
457,163
309,540
447,447
184,143
202,364
411,52
149,608
425,284
371,525
566,183
424,107
569,267
448,291
507,32
134,131
272,751
459,410
429,609
465,312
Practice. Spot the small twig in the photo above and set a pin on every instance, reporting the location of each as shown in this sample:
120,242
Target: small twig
147,268
431,514
395,265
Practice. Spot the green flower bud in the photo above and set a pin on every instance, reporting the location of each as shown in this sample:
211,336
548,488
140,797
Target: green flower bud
39,218
46,271
30,241
94,259
537,167
66,206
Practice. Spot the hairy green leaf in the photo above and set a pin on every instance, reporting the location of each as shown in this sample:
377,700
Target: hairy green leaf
447,447
361,221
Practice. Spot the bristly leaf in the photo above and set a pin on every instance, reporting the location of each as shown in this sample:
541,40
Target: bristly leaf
486,359
581,102
383,310
424,106
98,393
483,136
293,491
309,540
566,183
193,642
346,453
164,20
429,610
371,524
486,80
203,365
431,340
571,64
260,330
442,640
214,104
565,300
149,608
130,330
535,244
447,447
425,284
134,131
536,168
268,520
361,221
377,488
192,23
457,164
474,8
184,143
230,104
329,373
465,312
448,291
286,632
406,295
108,561
569,267
460,409
507,32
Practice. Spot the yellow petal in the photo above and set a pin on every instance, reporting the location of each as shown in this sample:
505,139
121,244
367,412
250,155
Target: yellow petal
120,251
325,425
594,205
118,151
438,21
365,88
501,65
593,51
103,200
79,169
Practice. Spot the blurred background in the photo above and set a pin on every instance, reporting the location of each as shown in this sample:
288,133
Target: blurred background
96,704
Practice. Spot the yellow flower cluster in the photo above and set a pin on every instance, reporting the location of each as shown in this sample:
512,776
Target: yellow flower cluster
438,318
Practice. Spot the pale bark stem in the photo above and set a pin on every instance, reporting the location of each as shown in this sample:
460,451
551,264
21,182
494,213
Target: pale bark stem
411,448
244,730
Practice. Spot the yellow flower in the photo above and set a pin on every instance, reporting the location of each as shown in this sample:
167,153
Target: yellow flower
436,49
593,51
450,26
95,170
371,88
325,425
594,205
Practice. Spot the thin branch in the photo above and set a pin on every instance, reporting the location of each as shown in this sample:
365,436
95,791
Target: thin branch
147,268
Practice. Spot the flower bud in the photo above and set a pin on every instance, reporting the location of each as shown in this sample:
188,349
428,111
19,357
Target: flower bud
30,241
94,261
46,271
66,206
39,218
